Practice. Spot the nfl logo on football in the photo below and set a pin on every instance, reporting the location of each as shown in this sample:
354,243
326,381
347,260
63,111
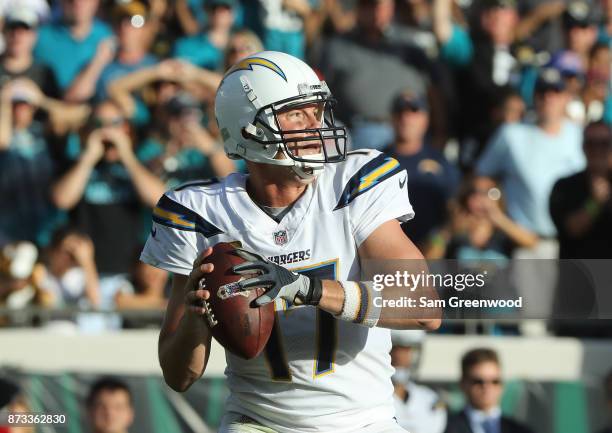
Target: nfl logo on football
280,237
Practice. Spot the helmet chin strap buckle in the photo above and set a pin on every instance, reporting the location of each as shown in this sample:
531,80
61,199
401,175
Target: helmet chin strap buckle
307,172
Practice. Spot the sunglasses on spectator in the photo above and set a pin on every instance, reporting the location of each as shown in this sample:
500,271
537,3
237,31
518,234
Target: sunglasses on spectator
482,382
18,26
99,122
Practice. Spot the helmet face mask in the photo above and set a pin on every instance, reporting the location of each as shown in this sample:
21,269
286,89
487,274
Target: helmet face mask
250,106
330,139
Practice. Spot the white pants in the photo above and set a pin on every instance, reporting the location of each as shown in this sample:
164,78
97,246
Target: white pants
236,423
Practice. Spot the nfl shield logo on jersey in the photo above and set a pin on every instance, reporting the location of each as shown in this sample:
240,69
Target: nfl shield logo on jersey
280,237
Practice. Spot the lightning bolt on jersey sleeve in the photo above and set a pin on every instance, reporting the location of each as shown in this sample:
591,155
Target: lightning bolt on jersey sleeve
376,193
177,236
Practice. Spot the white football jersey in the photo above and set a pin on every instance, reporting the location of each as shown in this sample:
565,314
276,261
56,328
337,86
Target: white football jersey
317,373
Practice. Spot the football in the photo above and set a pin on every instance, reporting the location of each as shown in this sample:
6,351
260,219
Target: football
235,321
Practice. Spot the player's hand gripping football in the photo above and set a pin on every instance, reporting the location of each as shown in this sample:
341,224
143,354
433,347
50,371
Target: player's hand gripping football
196,293
278,281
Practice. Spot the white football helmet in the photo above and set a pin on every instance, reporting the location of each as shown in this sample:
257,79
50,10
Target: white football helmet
249,99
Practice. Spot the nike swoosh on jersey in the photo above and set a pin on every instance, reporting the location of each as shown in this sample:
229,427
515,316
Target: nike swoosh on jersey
175,215
403,182
153,231
371,174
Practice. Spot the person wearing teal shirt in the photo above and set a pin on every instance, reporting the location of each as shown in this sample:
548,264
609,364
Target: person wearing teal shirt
69,44
207,49
182,149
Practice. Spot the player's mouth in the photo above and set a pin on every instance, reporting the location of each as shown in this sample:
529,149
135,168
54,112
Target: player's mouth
308,150
303,148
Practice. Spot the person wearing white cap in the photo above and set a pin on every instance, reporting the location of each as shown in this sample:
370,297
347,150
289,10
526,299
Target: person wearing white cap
20,31
20,34
418,408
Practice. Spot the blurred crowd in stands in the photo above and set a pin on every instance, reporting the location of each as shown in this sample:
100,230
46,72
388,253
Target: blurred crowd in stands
500,110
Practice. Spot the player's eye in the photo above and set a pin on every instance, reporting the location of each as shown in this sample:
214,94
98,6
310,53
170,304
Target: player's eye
295,115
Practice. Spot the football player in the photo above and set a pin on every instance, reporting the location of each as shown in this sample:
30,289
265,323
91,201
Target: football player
307,215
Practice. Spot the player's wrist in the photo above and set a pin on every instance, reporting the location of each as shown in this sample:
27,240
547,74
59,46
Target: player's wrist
358,305
313,293
194,326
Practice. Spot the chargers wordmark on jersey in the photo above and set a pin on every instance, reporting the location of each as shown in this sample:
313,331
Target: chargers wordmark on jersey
294,257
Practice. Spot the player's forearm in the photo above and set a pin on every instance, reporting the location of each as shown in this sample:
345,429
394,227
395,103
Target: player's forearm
183,355
332,298
361,304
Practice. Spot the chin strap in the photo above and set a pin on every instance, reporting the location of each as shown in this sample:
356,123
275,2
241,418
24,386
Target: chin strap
306,177
308,171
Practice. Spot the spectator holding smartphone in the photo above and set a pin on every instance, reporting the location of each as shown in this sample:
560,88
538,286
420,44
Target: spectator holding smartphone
480,228
105,189
180,148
